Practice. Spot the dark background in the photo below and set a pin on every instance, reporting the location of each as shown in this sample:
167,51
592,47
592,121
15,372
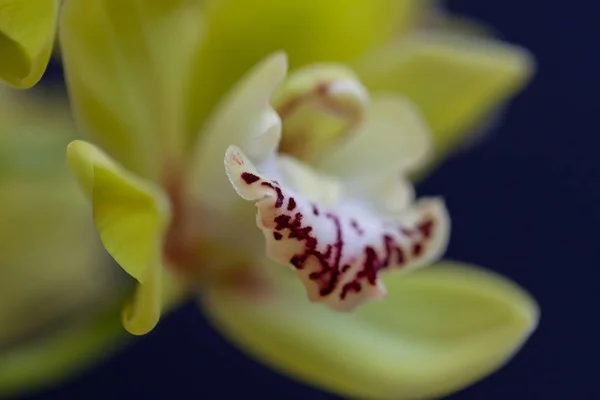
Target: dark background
525,203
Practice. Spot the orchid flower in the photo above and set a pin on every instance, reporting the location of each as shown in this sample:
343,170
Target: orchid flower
327,166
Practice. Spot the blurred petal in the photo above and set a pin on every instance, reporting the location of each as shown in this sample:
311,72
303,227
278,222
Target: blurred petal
454,80
444,23
27,31
393,138
244,116
338,250
319,105
440,330
131,216
241,33
127,66
58,288
376,158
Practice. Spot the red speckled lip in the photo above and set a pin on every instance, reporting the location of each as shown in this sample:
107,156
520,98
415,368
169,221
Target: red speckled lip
338,252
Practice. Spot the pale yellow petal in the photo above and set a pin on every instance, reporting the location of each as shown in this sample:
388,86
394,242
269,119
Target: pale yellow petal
454,80
127,67
440,329
131,216
376,158
27,31
392,139
241,33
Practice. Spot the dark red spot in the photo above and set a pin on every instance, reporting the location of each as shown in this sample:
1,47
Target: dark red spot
345,268
373,263
297,262
314,275
277,235
426,228
315,210
353,286
291,204
334,269
327,253
356,227
407,231
301,233
277,189
249,178
371,266
417,249
389,249
400,258
322,88
282,222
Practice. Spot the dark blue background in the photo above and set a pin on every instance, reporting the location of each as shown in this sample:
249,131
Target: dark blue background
525,203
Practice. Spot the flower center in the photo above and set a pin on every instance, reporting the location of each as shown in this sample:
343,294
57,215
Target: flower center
180,248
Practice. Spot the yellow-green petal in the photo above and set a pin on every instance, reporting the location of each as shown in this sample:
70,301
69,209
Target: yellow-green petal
131,216
27,31
439,330
455,80
241,33
127,67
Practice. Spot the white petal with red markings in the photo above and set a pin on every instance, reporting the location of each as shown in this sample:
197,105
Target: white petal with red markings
338,250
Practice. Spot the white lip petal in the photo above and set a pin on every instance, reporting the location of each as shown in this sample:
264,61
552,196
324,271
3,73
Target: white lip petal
338,252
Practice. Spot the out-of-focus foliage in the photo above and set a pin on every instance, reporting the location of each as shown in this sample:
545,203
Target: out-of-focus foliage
54,277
